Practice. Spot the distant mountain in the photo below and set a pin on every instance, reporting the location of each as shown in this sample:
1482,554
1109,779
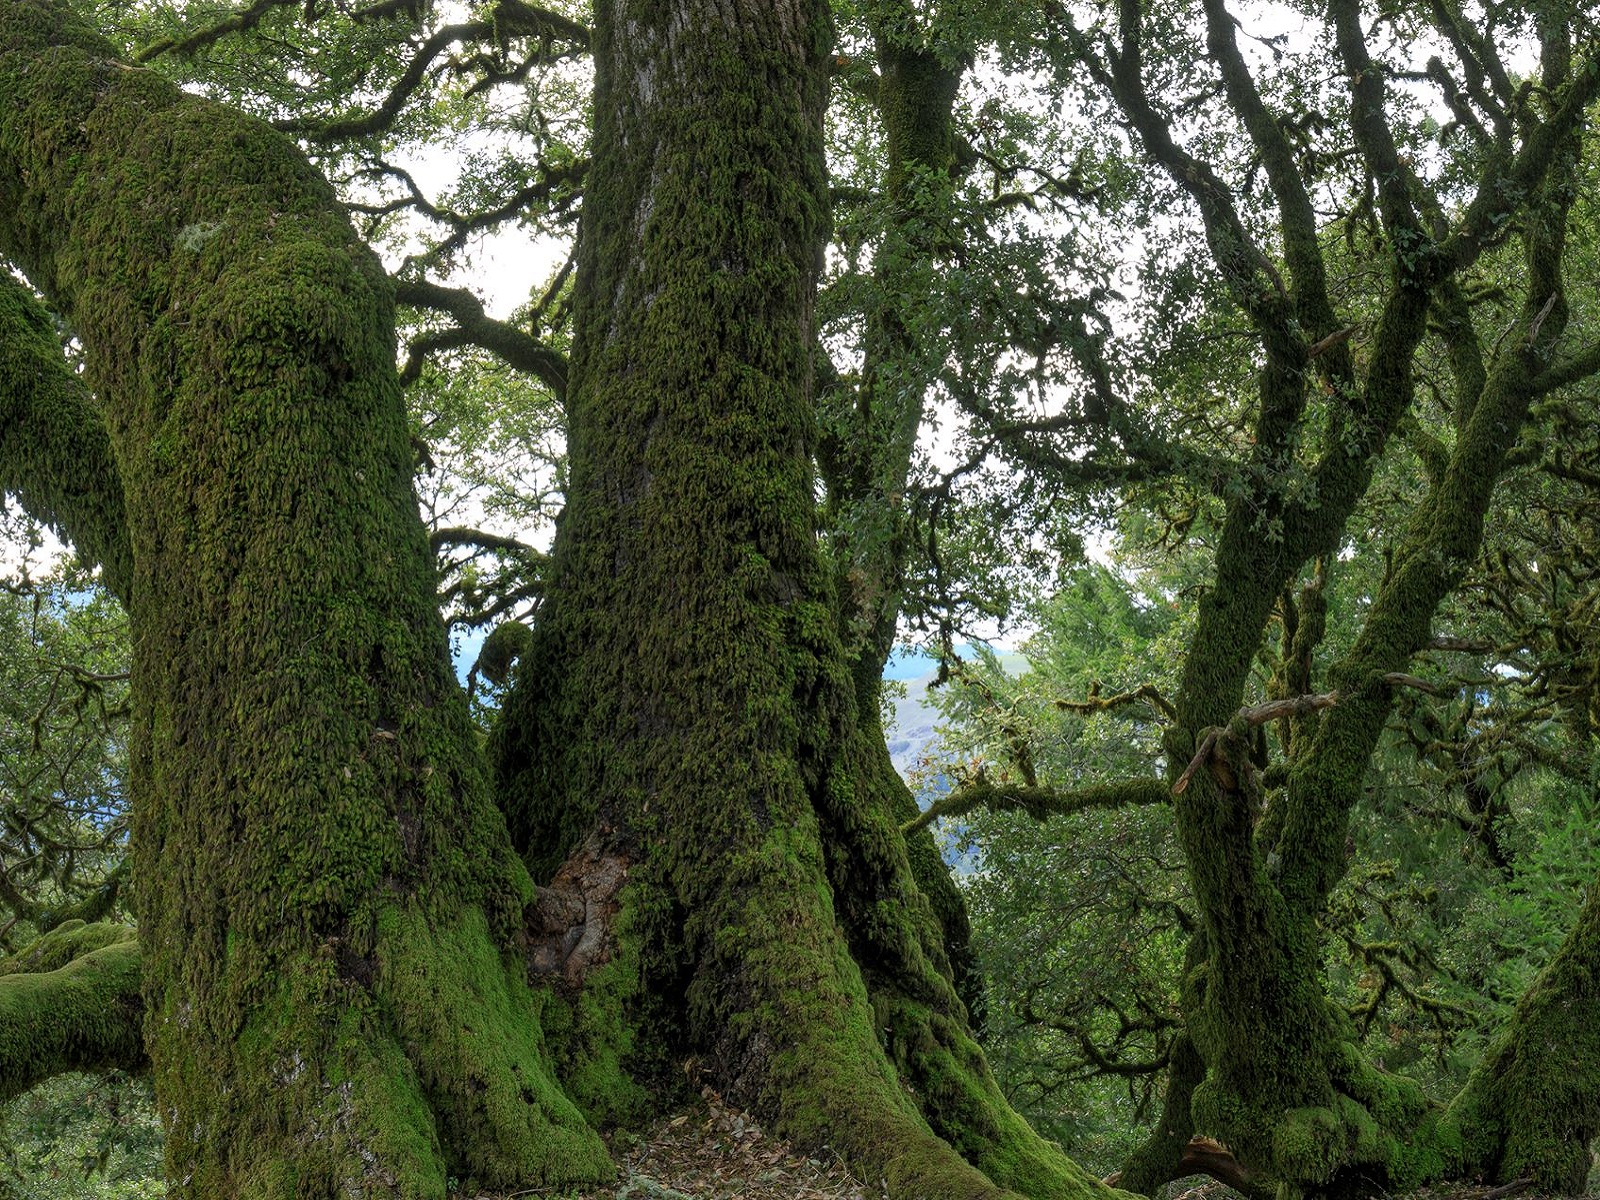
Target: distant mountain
913,734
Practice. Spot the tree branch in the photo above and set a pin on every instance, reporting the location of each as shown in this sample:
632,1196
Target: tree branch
1095,702
70,1002
1506,185
462,536
1248,272
1296,217
239,21
55,450
1038,802
381,118
1260,714
516,347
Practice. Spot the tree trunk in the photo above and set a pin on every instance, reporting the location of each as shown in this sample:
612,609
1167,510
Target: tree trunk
867,461
323,884
1531,1107
687,710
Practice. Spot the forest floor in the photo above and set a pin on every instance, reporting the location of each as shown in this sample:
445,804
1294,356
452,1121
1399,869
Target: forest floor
710,1152
716,1152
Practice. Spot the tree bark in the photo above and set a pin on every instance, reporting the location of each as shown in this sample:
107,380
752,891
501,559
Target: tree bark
323,884
687,699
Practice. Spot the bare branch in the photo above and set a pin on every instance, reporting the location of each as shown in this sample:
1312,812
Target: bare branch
1259,714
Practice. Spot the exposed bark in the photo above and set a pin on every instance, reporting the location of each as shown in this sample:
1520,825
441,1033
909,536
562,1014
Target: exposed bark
323,882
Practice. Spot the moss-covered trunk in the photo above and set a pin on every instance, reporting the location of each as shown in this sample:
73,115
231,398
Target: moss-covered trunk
687,695
1531,1108
1285,1085
323,883
867,453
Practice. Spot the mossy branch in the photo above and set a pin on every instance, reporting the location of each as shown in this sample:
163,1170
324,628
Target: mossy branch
96,905
1094,702
510,19
55,451
1040,803
459,535
239,21
518,348
70,1002
1401,679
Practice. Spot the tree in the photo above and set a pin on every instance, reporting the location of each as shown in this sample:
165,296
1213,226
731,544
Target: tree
366,966
1343,348
330,906
298,741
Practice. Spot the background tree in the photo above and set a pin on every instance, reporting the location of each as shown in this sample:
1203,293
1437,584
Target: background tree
1341,357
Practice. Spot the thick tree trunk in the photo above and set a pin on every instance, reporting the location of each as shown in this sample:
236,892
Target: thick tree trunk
323,884
687,697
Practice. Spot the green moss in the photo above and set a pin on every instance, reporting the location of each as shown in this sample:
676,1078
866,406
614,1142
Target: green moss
1368,1142
66,942
1396,1102
594,1037
467,1018
70,1002
55,451
324,881
1531,1106
1308,1146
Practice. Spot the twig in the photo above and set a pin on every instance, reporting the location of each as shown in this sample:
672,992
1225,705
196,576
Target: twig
1509,1189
